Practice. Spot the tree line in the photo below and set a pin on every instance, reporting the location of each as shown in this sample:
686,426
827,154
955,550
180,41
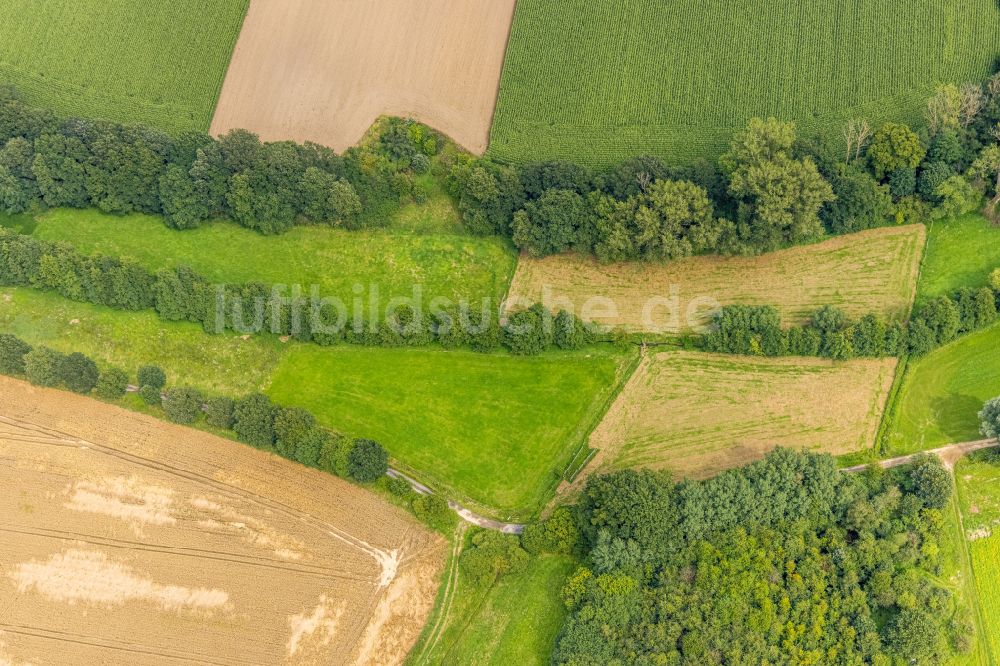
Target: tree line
50,161
786,560
181,294
756,330
772,189
291,432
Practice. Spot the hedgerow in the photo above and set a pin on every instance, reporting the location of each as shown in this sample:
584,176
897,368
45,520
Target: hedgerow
180,294
757,331
49,161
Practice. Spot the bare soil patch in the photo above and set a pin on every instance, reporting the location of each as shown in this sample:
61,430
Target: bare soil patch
872,271
126,540
325,70
697,414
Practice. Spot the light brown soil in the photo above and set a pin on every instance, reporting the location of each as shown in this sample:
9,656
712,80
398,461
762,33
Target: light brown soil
324,70
127,540
698,414
872,271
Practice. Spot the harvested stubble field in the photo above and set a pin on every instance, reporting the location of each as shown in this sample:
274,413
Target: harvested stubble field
697,414
126,540
324,70
871,271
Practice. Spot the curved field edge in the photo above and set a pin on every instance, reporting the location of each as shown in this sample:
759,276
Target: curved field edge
199,513
600,83
121,60
300,63
870,271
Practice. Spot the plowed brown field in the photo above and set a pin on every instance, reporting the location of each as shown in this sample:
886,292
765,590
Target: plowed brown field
324,70
126,540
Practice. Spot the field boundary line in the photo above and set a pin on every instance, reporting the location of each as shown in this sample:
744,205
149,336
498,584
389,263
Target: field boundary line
629,375
888,420
973,584
447,598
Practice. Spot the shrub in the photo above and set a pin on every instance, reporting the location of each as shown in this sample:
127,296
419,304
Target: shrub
957,197
43,366
152,375
491,556
367,461
79,373
333,455
989,419
931,483
995,280
528,332
291,424
150,395
253,420
434,510
182,404
558,534
310,446
12,352
219,412
112,383
398,486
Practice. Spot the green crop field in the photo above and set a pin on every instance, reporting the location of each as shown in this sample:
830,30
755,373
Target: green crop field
443,265
159,63
960,253
492,427
513,622
944,391
495,428
600,82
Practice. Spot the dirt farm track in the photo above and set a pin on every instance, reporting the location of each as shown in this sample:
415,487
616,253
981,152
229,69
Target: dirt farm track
325,70
126,540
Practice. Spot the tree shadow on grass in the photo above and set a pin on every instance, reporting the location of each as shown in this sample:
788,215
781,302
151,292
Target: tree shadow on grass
957,416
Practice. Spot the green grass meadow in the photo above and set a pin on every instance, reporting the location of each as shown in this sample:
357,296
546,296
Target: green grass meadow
157,63
494,428
961,252
944,391
513,622
444,265
215,363
601,82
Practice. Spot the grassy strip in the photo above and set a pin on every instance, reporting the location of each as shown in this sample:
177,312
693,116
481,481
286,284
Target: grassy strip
343,264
